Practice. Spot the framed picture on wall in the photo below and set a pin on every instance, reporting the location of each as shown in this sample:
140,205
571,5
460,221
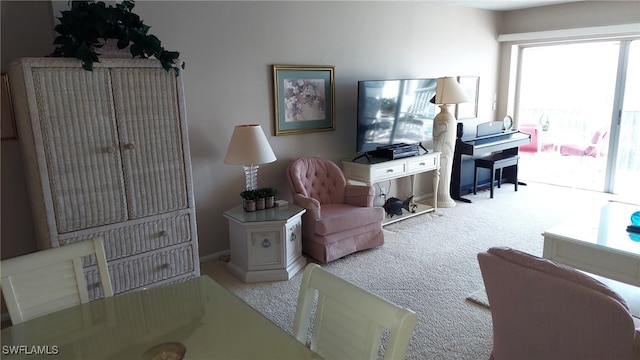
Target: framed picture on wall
8,124
471,85
303,98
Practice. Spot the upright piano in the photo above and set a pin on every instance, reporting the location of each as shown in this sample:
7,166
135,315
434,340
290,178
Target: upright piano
468,149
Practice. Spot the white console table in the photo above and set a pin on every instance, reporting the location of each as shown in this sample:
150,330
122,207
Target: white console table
377,170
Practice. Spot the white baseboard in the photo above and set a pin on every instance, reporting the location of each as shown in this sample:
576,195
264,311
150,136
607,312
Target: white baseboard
214,256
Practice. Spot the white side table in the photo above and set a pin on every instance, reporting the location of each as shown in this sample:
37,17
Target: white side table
266,245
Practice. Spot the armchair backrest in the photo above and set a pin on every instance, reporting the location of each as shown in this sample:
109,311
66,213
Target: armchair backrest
534,130
599,143
318,178
544,310
597,136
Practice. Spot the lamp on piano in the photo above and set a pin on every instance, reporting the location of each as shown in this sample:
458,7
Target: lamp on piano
448,92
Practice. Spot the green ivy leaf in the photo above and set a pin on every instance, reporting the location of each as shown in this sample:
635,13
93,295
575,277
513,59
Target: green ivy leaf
87,22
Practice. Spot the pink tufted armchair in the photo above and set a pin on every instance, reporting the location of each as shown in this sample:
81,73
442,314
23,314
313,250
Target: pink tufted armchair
544,310
340,217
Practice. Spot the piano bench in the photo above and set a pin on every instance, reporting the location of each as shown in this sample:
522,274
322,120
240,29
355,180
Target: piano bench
495,163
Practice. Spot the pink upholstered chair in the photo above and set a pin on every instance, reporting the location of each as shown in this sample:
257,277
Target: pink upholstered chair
544,310
340,217
596,147
536,145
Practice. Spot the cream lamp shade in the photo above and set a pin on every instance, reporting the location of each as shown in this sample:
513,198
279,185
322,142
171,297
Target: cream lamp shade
249,147
449,91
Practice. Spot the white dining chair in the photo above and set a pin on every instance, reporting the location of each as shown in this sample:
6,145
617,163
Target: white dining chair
50,280
344,321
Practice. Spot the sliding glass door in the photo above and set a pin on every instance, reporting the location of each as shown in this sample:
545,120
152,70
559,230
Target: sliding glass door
625,169
583,99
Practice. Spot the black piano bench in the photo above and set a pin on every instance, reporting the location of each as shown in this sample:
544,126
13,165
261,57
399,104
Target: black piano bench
495,163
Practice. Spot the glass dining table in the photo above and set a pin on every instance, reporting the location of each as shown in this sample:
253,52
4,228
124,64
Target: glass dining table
197,315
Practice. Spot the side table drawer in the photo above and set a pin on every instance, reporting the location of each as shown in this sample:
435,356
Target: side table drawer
385,172
265,250
421,165
294,241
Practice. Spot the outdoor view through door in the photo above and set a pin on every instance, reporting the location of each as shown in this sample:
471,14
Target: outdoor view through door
581,103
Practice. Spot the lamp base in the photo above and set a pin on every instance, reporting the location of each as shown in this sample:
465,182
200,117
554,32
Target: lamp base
444,141
448,204
251,176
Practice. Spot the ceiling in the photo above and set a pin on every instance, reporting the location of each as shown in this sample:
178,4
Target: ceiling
504,5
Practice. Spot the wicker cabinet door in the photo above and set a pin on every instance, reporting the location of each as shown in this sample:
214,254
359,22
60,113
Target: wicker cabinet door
80,145
150,130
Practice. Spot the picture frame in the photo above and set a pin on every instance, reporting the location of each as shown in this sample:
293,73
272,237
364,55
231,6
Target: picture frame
471,85
8,129
303,98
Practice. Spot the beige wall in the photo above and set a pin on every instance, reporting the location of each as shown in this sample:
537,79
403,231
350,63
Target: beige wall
26,31
229,48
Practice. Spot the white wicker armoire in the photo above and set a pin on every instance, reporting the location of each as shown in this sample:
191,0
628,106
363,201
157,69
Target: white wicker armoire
106,153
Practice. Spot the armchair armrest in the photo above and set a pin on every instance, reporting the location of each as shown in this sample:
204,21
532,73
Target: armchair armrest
312,205
359,195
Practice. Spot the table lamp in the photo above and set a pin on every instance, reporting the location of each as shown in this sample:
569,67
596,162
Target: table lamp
448,92
249,147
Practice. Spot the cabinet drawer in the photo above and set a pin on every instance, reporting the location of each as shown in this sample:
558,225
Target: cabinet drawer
137,239
420,165
389,171
137,272
294,241
265,250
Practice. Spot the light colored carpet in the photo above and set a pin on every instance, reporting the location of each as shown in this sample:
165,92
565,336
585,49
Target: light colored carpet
429,264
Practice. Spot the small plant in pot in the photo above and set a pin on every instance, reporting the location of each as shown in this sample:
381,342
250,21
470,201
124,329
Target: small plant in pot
85,28
249,200
269,197
260,198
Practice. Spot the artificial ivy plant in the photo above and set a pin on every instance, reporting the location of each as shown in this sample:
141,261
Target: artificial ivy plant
84,28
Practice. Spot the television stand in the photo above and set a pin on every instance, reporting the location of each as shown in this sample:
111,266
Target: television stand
370,174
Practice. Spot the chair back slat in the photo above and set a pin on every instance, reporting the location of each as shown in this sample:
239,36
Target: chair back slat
50,280
349,322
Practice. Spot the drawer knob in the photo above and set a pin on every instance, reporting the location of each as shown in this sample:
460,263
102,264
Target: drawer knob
129,146
165,266
164,233
266,243
423,164
293,237
111,149
389,170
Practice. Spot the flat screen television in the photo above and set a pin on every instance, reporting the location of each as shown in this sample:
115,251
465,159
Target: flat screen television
392,112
